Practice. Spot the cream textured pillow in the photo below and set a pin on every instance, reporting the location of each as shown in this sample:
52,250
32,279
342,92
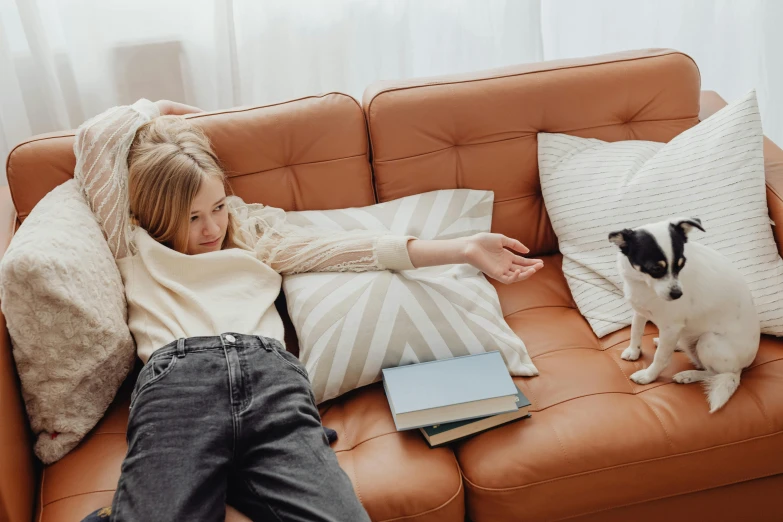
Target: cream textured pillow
713,171
352,325
64,304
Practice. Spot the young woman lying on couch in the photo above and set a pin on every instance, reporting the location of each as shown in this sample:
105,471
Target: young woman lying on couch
218,413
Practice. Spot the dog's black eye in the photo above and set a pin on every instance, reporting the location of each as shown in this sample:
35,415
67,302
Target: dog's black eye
656,271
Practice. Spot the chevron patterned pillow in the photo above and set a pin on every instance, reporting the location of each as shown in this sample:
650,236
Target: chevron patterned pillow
352,325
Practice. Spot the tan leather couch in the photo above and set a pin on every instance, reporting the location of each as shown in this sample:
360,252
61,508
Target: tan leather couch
598,447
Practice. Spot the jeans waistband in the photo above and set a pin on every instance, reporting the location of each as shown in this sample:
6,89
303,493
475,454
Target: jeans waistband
187,345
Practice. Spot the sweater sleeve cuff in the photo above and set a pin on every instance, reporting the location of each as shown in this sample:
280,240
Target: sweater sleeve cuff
392,252
146,108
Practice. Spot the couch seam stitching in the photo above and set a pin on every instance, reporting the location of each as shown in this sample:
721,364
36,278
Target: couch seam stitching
665,431
626,377
366,440
527,134
560,443
618,466
537,308
662,497
77,495
294,165
761,407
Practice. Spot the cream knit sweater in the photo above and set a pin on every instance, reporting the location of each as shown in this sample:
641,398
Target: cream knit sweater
172,295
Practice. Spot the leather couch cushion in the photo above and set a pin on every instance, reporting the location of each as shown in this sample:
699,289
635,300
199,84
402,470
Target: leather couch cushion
396,475
478,130
603,439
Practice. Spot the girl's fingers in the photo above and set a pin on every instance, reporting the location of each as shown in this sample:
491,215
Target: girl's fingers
523,261
513,244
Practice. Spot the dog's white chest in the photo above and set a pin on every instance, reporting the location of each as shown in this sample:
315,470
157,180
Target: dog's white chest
641,298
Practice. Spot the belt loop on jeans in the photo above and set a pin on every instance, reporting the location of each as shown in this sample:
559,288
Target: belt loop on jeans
181,347
264,344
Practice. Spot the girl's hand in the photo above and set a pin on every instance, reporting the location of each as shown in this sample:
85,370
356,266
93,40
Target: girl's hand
167,107
490,253
487,252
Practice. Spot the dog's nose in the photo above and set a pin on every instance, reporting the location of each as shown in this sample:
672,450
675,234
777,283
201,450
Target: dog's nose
675,293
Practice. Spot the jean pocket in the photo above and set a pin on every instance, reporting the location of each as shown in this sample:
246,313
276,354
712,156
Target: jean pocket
155,370
291,360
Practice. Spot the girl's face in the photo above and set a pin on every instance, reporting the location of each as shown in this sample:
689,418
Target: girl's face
208,218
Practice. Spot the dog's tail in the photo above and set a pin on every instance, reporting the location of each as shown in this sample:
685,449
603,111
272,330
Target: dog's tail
720,387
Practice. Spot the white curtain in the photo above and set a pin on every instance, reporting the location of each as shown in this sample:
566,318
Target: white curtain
62,61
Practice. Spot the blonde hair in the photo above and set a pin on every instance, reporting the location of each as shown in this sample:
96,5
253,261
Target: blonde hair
167,162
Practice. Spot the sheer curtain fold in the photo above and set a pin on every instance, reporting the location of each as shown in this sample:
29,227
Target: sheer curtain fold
64,61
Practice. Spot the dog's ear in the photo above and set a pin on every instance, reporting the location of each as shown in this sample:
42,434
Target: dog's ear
685,225
622,238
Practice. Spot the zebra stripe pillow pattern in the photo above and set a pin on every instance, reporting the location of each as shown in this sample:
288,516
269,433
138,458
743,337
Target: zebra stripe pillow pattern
352,325
713,171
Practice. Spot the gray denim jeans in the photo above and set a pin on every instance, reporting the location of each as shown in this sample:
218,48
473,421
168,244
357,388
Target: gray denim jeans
230,418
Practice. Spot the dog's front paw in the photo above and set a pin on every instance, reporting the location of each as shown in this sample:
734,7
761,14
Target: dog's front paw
643,377
631,353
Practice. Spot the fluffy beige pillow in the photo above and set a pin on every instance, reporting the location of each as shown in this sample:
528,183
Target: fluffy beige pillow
63,300
352,325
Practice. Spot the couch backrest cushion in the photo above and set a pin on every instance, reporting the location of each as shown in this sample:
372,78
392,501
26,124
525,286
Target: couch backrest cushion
306,154
479,130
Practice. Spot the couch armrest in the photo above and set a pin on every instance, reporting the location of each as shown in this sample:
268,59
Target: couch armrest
711,102
17,473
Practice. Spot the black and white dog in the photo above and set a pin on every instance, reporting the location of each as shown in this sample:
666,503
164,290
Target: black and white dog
697,299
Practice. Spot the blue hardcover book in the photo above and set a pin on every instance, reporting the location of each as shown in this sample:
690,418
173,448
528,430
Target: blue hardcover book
449,390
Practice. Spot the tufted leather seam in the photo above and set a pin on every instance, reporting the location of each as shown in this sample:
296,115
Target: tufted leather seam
290,165
665,431
529,135
77,495
565,350
352,473
661,497
617,363
433,510
762,364
761,406
560,443
627,340
538,308
286,102
367,440
41,504
345,424
628,464
591,395
646,389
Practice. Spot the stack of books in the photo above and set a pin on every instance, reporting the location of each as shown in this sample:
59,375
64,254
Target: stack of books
453,398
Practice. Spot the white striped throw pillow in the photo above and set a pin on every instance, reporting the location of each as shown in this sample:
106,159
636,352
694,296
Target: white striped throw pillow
713,171
352,325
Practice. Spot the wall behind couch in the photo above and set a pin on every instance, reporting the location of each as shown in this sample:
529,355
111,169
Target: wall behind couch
63,61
